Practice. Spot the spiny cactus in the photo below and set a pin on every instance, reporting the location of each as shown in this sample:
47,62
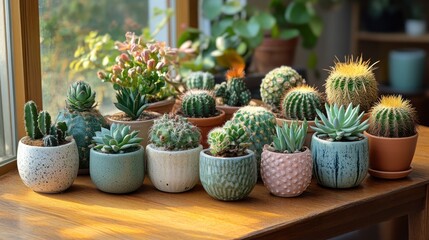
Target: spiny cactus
200,80
30,120
231,140
119,139
50,141
340,124
174,133
80,97
353,82
290,139
234,91
392,117
44,122
198,104
131,102
277,82
301,103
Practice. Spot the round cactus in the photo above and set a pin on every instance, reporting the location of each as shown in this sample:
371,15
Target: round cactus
198,104
200,80
277,82
234,92
392,117
50,141
353,82
301,103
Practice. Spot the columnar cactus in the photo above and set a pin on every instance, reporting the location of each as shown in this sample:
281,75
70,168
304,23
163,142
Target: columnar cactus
44,122
234,91
174,133
30,120
353,82
231,140
119,139
392,117
198,104
301,103
277,82
200,80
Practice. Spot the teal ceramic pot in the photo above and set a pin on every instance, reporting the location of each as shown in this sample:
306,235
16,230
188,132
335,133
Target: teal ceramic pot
406,69
117,173
228,179
339,164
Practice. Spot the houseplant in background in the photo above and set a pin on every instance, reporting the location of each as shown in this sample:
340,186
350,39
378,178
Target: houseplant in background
392,137
339,148
286,164
228,169
173,155
415,23
47,161
200,80
117,164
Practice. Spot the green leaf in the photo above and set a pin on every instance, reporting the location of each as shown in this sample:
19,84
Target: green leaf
232,7
312,60
289,34
309,39
218,28
246,30
265,20
242,48
212,8
316,25
297,13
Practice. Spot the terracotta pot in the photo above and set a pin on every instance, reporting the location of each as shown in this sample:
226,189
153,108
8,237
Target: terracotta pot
207,124
310,131
273,53
391,157
164,106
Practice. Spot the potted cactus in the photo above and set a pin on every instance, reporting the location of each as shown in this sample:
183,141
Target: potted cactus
199,106
82,118
117,164
200,80
286,164
339,148
300,103
392,137
233,93
228,169
47,161
173,155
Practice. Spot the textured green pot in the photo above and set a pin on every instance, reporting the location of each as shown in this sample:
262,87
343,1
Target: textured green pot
228,179
117,173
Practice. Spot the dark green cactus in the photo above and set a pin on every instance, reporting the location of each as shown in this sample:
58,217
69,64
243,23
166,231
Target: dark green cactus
234,91
301,103
200,80
50,141
198,104
30,120
44,122
231,140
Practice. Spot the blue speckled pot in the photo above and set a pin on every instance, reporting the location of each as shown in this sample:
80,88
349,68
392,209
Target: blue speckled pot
117,173
339,164
228,179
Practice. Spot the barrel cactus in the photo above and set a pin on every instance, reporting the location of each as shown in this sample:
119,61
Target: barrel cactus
301,103
118,139
231,140
392,117
353,82
234,91
198,104
200,80
277,82
82,118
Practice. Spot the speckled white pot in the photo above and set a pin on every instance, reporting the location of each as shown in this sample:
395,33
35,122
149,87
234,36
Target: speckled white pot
173,171
48,169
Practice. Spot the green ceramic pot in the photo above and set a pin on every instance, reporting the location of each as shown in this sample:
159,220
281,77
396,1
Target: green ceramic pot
117,173
228,179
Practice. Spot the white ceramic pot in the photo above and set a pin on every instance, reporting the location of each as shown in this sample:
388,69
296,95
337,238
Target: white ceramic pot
48,169
173,171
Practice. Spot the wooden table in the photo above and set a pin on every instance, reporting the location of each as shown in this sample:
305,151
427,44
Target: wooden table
85,212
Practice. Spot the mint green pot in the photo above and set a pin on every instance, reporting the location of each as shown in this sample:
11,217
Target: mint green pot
228,179
117,173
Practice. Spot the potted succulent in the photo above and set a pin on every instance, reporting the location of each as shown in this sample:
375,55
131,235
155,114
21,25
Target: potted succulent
117,164
300,103
82,119
392,138
286,164
228,169
200,80
199,107
339,148
233,93
173,155
47,161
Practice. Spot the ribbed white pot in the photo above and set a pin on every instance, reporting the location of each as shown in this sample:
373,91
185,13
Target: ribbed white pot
48,169
173,171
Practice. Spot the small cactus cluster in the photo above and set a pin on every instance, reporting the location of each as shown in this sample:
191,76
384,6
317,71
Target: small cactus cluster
231,140
290,139
340,124
301,103
198,104
200,80
174,133
131,102
39,126
119,139
392,117
353,82
277,82
234,91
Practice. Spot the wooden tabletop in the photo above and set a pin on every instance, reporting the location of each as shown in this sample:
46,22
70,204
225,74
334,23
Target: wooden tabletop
84,212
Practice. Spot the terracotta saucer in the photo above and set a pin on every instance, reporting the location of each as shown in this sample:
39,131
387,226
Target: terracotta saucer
389,175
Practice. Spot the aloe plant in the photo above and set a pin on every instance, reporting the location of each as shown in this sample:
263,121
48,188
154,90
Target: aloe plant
290,139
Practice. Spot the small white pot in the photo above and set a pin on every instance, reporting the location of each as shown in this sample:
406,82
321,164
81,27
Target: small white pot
48,169
173,171
415,27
